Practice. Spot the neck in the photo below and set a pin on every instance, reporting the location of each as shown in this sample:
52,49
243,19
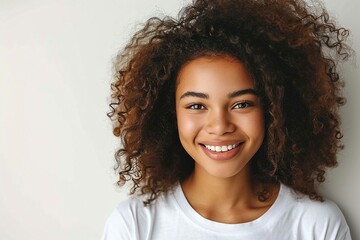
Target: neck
201,188
227,200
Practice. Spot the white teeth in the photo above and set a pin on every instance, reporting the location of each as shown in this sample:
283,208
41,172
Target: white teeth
220,148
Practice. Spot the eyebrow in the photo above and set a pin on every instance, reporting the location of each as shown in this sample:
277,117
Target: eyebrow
195,94
242,92
230,95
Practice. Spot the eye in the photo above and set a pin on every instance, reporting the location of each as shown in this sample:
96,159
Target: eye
241,105
196,107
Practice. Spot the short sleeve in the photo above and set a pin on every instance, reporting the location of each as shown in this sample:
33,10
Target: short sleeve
119,225
328,222
347,235
338,228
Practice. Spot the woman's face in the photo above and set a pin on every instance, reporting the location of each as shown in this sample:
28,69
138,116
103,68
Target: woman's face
219,116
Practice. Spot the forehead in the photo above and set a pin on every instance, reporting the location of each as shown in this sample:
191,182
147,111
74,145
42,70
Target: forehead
213,73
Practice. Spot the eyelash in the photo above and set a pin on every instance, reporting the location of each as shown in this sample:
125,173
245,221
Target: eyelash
196,107
246,103
241,105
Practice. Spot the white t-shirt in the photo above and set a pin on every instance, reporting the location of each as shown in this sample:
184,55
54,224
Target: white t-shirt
171,217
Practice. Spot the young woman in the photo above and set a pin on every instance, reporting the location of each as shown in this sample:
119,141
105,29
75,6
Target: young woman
228,119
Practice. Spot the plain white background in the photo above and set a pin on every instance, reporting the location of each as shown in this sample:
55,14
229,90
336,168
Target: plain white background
56,145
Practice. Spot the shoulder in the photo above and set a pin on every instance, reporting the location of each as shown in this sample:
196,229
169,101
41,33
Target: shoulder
131,219
120,224
303,206
323,219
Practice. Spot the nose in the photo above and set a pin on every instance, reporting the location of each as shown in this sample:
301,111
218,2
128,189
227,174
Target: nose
219,122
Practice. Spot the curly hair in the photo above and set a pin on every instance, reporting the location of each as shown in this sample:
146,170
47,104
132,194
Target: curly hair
291,49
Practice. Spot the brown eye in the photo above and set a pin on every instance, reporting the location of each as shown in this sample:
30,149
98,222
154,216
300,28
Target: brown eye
196,107
243,105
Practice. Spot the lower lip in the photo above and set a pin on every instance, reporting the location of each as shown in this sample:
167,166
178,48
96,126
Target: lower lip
222,155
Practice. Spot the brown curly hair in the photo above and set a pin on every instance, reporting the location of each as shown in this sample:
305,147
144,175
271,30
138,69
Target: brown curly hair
291,50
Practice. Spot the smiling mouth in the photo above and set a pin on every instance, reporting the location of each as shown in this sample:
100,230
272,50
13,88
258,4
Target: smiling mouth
224,148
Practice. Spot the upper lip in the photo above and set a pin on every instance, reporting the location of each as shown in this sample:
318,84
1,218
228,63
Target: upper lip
221,143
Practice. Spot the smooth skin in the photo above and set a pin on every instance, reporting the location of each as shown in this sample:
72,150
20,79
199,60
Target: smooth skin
221,125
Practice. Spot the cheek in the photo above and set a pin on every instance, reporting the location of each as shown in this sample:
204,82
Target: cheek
185,124
188,126
255,126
